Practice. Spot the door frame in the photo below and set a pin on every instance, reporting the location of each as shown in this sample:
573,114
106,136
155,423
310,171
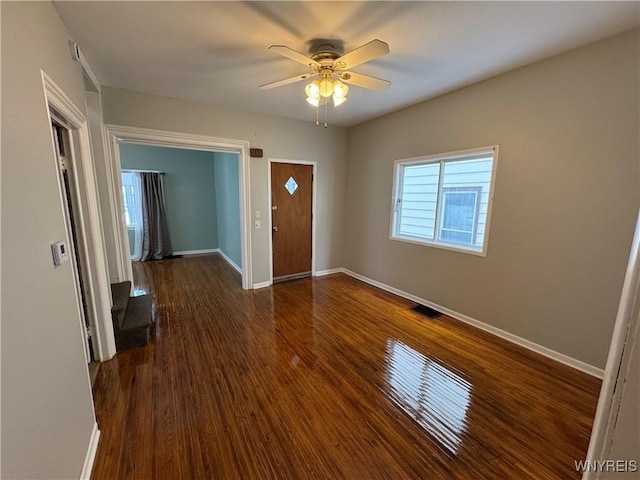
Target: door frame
623,339
313,211
117,134
89,219
72,212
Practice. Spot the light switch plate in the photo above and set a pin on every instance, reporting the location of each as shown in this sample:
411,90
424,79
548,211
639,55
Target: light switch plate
256,225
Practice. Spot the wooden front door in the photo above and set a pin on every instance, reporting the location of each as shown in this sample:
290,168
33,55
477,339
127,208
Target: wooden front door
291,204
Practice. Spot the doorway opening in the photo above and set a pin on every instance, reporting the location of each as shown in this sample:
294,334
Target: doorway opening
292,194
201,201
118,136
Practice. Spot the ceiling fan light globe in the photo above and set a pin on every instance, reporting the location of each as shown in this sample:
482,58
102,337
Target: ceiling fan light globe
340,89
326,87
337,101
313,89
315,101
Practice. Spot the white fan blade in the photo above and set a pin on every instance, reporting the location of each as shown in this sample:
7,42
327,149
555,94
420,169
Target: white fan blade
292,54
374,49
365,81
286,81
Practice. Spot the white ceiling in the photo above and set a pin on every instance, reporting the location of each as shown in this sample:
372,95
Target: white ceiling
216,52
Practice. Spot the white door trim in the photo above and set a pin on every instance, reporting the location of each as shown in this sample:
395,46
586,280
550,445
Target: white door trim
117,134
616,371
313,212
89,220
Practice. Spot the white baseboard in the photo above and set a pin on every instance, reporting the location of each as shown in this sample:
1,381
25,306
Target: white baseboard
322,273
197,252
211,250
547,352
85,473
229,261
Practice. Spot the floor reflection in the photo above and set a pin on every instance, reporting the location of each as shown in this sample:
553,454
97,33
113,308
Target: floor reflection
294,325
435,397
142,279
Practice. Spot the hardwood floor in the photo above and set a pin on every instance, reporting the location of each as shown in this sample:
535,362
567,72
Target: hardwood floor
327,378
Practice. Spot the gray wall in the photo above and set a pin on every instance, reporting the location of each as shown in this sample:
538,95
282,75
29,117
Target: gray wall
565,204
189,192
227,175
47,409
278,137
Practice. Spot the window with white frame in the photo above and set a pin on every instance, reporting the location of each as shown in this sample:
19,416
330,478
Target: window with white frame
445,200
128,198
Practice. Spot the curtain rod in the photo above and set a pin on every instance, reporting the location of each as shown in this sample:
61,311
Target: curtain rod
142,171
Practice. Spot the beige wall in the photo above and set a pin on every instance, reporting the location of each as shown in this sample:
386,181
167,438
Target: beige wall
47,410
278,137
566,197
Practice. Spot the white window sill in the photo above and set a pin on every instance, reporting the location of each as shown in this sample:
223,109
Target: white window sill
444,246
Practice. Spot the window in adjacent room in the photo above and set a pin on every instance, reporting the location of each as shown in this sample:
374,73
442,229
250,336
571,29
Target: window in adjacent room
445,200
128,180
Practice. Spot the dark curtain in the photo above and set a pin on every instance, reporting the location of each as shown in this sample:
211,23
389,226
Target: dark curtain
155,235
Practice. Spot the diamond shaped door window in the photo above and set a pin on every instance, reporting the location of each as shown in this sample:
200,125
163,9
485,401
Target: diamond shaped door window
291,186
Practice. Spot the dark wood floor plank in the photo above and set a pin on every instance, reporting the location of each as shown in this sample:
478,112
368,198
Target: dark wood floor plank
327,378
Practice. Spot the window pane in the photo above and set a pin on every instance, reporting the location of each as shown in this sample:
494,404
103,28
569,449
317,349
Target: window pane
466,185
417,211
456,237
291,186
459,211
128,199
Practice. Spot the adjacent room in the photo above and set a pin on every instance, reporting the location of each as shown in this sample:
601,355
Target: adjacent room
200,197
301,240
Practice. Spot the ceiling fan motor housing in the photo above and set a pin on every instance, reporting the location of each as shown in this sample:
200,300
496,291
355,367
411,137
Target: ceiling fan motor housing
326,54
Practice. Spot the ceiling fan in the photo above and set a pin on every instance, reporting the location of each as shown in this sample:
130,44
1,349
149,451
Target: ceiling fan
331,68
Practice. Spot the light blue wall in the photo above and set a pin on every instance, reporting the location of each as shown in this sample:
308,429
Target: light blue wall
228,205
189,188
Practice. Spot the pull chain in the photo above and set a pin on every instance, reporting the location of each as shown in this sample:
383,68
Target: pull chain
318,115
325,114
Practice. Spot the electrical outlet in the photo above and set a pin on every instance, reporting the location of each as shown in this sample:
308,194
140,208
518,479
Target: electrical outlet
256,225
258,214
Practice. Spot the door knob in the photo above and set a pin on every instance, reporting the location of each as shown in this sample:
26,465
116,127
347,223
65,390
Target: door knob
275,229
